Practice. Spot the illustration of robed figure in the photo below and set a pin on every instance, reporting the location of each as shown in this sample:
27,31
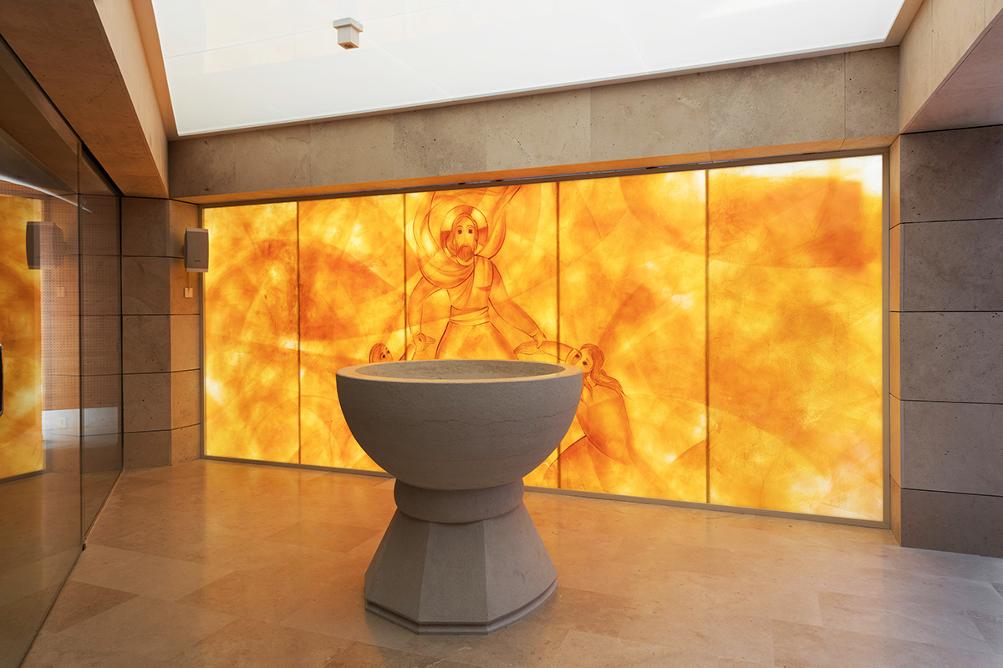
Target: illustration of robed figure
455,248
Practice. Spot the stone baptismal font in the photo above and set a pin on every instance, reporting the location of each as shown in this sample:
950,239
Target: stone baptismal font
461,554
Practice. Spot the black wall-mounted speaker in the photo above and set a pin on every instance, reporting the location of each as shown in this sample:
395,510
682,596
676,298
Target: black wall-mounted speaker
197,249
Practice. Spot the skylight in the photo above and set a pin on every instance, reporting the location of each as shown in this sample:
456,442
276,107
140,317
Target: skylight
243,63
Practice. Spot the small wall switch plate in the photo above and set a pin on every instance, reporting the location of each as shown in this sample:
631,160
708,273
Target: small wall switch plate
189,293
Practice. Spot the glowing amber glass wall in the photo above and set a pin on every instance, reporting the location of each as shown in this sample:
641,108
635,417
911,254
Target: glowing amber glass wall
351,287
728,323
632,308
795,348
251,334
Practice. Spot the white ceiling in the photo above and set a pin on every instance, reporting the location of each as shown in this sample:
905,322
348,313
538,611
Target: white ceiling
243,63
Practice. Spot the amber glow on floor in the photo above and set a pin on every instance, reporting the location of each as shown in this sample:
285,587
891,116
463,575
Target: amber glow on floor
728,323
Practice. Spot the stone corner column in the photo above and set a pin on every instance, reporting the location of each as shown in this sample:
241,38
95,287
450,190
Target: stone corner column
946,340
161,335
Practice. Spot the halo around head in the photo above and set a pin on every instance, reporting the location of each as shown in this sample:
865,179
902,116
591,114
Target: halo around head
464,211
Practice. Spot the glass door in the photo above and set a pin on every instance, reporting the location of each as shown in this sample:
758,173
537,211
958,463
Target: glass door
40,424
40,488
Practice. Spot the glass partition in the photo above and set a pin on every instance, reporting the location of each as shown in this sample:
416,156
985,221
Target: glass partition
40,426
49,346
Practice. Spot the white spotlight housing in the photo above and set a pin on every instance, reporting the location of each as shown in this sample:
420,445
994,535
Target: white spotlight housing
348,32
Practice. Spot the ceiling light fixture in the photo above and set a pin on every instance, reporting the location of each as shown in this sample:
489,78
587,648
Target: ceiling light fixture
348,33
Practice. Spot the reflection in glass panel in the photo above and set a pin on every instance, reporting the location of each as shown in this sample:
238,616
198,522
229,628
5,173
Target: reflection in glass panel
40,425
21,450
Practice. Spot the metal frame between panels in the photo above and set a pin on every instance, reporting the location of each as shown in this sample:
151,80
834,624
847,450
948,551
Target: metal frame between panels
884,523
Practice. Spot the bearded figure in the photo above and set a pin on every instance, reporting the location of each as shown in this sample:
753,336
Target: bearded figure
459,260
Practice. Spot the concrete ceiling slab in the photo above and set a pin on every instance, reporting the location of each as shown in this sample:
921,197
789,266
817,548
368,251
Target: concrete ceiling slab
67,48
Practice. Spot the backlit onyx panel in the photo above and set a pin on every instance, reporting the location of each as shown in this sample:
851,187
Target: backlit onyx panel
351,311
728,323
632,316
795,314
251,333
21,336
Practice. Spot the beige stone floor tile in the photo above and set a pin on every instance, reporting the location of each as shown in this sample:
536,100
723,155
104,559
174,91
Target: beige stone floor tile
797,645
361,655
176,544
57,650
146,574
272,593
367,549
134,482
597,650
370,507
219,547
235,562
341,613
837,576
79,601
324,535
935,592
738,596
903,621
246,643
249,522
528,642
127,514
299,559
607,613
727,637
148,627
991,628
946,564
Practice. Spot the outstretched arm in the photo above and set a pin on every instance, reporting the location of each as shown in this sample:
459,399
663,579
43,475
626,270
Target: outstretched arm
415,313
511,312
550,349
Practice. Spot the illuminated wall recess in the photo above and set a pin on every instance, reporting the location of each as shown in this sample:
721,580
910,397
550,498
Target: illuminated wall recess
728,321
